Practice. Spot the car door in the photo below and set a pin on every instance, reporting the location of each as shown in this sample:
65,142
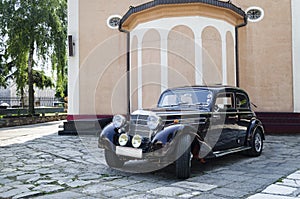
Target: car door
225,119
244,116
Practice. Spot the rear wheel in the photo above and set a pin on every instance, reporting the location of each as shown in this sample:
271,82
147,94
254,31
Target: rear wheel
256,143
112,159
183,163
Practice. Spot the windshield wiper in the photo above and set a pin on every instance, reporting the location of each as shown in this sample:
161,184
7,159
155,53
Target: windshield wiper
183,103
172,105
186,104
201,104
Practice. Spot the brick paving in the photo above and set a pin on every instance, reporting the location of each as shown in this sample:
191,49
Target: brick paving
37,163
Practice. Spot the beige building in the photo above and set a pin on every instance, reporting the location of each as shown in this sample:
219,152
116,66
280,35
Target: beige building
159,44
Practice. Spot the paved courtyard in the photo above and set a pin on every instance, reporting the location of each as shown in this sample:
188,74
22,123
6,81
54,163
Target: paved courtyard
37,163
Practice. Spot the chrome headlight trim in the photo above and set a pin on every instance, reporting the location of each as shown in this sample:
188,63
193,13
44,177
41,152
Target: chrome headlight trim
153,122
136,141
123,139
119,121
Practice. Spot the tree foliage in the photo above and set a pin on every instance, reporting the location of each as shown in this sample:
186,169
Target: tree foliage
3,71
40,79
35,29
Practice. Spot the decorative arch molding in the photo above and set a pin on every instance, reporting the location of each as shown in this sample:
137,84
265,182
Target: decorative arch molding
181,56
196,25
151,68
212,56
231,65
134,74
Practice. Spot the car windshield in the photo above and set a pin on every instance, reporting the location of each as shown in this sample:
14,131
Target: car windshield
186,97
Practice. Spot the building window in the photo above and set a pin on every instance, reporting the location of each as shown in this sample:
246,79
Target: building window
255,14
113,21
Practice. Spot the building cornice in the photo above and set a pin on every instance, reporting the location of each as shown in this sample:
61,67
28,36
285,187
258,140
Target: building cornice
173,8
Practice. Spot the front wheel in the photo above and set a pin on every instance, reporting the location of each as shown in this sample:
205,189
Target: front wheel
183,163
256,144
112,159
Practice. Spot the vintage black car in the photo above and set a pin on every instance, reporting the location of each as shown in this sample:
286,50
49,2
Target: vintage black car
196,122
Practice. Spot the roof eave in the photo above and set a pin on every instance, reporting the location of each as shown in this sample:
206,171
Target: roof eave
156,3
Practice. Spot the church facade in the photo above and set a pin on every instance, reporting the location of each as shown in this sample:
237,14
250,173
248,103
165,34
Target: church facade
123,54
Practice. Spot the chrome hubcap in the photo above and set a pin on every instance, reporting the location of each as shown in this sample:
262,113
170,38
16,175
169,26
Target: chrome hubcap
257,142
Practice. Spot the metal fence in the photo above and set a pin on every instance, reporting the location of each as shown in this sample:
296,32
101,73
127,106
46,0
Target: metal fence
39,101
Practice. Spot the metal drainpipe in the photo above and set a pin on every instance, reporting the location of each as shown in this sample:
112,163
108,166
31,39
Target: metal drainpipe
128,67
237,50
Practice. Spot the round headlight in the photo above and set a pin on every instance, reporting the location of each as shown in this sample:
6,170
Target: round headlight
136,141
123,139
119,121
153,122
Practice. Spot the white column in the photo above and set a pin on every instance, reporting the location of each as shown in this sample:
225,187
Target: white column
164,59
234,54
73,62
224,57
296,52
198,59
130,70
140,73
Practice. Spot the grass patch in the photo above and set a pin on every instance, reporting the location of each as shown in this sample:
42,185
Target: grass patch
105,175
280,180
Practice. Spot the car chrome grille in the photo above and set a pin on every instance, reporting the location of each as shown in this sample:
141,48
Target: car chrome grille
138,125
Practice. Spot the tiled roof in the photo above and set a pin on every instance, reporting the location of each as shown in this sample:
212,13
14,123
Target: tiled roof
155,3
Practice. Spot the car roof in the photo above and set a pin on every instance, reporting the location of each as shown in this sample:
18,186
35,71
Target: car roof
214,88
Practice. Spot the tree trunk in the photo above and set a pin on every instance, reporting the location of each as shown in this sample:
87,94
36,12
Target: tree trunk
30,80
22,98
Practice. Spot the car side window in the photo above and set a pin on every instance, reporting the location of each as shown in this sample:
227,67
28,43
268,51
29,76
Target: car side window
224,101
242,101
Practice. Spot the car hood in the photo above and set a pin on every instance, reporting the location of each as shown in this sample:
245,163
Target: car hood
169,112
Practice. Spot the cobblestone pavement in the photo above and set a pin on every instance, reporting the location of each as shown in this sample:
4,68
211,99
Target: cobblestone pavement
52,166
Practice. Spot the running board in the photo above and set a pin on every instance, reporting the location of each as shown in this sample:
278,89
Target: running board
229,151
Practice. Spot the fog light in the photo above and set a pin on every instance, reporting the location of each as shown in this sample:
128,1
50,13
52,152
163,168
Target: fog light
136,141
123,139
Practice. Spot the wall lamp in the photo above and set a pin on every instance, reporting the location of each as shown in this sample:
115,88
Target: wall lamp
71,45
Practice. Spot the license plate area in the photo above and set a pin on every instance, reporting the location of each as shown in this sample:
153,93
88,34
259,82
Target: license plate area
129,152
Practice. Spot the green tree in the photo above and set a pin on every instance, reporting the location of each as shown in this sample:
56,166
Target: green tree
35,29
3,69
19,75
41,80
3,72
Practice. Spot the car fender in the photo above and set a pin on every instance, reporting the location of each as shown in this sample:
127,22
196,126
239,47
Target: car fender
255,123
169,133
172,134
107,136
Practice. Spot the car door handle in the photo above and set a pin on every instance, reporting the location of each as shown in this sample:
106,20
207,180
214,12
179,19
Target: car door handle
216,116
233,117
